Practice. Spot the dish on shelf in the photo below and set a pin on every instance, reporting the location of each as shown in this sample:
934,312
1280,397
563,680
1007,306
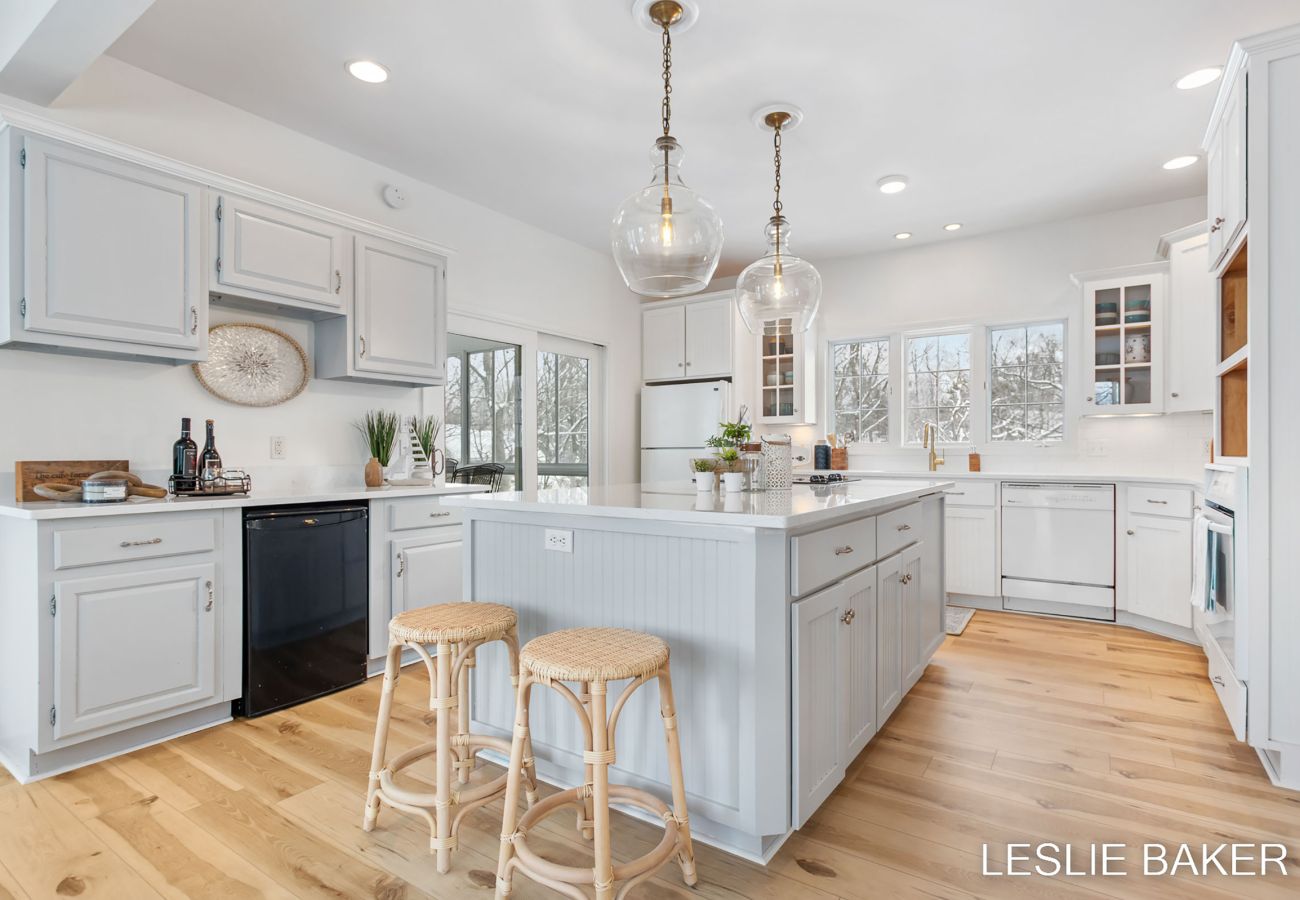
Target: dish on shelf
1107,359
1137,318
1105,319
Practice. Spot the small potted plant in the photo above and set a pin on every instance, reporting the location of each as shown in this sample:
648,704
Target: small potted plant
705,474
426,433
379,428
729,440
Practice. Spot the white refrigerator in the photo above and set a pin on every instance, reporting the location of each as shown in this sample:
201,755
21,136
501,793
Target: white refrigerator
676,420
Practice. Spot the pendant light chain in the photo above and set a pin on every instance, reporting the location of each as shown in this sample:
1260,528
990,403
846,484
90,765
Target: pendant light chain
776,202
666,110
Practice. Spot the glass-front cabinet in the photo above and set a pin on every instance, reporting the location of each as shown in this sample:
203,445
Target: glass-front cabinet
785,375
1123,330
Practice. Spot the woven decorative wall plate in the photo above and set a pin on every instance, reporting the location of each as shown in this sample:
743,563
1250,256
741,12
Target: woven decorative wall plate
252,365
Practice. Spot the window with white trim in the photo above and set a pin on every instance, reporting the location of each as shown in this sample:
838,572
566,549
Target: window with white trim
860,390
1027,382
937,377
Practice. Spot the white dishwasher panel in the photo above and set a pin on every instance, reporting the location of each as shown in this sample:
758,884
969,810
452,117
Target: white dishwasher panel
1059,533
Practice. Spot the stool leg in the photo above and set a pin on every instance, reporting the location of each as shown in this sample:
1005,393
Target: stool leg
442,801
392,668
604,868
529,763
686,849
514,776
585,808
465,764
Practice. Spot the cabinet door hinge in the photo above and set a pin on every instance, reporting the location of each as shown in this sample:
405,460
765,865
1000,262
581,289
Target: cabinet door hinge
22,157
218,210
54,714
54,605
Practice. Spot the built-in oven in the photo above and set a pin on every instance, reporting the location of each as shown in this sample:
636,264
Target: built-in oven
1220,602
1221,595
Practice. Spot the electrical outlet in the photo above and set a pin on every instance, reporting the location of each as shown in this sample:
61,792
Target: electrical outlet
1094,448
279,447
559,541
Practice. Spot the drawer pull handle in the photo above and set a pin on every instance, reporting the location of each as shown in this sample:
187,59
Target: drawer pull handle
194,327
309,521
140,543
1218,680
401,564
207,607
904,527
849,616
956,493
338,281
1159,502
439,515
843,551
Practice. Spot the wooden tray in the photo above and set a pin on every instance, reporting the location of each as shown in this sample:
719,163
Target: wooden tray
29,473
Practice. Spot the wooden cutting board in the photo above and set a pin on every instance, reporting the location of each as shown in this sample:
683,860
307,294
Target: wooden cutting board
29,473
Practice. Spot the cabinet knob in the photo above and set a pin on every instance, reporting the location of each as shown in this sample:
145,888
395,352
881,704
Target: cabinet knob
849,616
1089,399
1173,393
1131,532
679,365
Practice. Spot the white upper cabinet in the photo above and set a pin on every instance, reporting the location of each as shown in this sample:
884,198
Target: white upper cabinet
663,343
1225,157
1189,385
787,382
708,339
268,253
112,255
398,328
1123,340
687,340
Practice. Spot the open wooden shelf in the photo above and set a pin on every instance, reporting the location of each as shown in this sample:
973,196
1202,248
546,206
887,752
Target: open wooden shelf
1232,305
1233,393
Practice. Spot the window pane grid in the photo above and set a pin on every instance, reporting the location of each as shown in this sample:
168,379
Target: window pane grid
937,387
860,391
1027,383
563,426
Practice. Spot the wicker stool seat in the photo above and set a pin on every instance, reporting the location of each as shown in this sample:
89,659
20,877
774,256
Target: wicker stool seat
452,623
594,654
592,657
455,631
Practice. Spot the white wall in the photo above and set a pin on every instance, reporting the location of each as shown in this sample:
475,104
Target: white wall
1016,274
63,407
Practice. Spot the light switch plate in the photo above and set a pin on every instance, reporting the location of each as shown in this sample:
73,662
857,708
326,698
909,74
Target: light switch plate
559,540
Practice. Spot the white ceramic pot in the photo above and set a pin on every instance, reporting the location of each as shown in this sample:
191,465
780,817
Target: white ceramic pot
734,482
704,481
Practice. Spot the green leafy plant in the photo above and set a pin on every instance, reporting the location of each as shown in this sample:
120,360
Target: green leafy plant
702,465
728,454
426,432
732,434
379,428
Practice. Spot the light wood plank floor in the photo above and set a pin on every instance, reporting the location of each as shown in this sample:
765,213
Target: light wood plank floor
1022,730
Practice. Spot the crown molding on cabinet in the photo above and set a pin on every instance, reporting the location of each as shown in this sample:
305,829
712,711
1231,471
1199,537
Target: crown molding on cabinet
11,117
1167,241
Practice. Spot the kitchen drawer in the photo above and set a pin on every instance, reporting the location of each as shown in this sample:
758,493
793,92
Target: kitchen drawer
897,528
1232,693
972,493
820,557
158,536
420,512
1154,501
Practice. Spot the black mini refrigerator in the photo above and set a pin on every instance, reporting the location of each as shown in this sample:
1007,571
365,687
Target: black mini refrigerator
306,590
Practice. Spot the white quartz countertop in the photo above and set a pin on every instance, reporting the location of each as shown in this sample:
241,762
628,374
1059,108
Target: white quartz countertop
54,509
1036,477
798,507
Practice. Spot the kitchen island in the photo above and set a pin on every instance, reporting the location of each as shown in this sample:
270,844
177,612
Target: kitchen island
797,620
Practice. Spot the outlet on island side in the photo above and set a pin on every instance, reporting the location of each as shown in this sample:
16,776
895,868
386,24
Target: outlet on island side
279,447
558,540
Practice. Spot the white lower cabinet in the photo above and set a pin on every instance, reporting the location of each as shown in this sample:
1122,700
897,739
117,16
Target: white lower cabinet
1158,571
131,644
970,550
833,633
899,658
427,569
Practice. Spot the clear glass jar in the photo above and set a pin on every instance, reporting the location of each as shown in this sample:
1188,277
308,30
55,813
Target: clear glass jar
751,457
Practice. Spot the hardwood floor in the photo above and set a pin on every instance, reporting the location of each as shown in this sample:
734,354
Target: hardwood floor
1023,730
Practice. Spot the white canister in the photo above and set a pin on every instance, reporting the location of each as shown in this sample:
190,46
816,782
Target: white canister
776,462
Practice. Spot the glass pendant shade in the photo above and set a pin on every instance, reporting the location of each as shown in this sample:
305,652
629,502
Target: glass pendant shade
779,286
666,238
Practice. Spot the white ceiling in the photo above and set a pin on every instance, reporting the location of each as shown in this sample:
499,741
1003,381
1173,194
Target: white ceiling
1001,112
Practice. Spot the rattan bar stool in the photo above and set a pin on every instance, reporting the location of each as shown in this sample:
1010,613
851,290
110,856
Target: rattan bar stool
455,630
593,657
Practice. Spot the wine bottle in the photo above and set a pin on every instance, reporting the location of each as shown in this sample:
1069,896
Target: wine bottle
210,460
185,456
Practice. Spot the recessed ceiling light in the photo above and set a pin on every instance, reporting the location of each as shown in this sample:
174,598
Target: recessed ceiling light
1181,162
902,235
1199,78
368,71
952,226
892,184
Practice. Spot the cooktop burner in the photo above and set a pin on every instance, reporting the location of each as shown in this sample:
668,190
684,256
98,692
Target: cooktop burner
825,478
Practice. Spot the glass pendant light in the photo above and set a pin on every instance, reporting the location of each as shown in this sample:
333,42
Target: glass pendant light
780,285
666,238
